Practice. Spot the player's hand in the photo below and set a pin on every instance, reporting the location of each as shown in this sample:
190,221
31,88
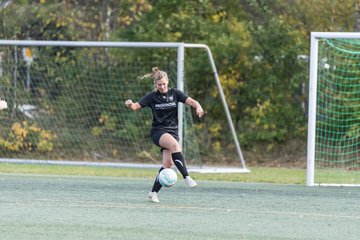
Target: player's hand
128,103
199,111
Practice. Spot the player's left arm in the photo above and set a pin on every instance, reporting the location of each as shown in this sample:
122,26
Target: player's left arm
196,105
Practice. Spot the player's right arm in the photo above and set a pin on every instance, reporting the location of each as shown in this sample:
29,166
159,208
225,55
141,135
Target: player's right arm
131,105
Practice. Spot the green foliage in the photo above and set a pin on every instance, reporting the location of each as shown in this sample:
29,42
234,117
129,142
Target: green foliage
255,44
273,109
27,137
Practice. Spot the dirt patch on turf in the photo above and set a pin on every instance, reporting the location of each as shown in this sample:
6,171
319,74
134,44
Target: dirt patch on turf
288,155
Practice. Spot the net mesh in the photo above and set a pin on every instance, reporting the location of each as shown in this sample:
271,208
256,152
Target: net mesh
338,104
68,104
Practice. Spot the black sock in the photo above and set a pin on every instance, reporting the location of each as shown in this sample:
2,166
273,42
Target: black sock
157,186
180,163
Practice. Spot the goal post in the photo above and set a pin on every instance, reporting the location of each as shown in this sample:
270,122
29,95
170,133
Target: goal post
27,76
333,150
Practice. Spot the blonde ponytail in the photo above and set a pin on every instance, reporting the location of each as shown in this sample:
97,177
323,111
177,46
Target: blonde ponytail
156,75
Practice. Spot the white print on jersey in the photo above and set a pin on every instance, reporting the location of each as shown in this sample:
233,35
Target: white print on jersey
165,105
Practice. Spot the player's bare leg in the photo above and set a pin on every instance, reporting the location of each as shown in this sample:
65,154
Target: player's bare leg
172,146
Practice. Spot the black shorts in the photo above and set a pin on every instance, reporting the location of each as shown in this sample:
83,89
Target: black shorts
157,133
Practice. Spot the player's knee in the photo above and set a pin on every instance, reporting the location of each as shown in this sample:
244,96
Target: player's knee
167,164
175,147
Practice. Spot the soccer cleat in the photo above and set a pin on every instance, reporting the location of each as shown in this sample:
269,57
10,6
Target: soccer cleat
153,197
190,182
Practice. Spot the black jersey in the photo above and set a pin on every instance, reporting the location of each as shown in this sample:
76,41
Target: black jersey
164,108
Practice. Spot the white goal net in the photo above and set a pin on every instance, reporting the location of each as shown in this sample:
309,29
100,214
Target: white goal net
66,102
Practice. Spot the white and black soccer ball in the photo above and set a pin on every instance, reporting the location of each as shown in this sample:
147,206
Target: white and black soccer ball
167,177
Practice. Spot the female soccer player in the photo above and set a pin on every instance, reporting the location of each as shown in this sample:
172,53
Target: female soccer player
164,132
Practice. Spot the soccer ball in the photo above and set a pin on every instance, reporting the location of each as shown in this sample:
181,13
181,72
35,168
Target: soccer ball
167,177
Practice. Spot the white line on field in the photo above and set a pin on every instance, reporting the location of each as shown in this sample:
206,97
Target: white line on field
93,204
